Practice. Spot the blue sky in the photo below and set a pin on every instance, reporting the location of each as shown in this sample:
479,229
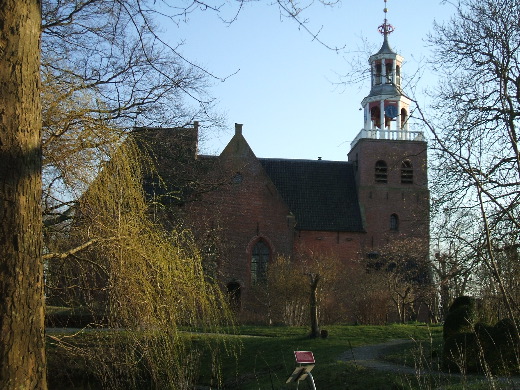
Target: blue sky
285,90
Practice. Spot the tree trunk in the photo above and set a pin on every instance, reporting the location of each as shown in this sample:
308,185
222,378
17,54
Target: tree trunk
22,352
315,328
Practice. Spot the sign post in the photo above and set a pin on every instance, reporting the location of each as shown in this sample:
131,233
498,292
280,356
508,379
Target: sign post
305,361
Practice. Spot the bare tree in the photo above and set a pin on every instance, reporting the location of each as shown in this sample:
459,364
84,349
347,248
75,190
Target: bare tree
289,299
404,269
475,130
455,256
322,271
106,71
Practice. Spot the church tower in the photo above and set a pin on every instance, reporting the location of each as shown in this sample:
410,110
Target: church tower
390,159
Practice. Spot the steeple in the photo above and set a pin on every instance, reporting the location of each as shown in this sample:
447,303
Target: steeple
386,29
386,108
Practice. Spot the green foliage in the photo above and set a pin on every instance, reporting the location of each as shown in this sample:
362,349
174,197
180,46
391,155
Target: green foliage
461,318
266,356
133,275
476,347
461,353
463,301
501,347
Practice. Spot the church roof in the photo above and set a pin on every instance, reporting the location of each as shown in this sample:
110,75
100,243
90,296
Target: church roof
321,194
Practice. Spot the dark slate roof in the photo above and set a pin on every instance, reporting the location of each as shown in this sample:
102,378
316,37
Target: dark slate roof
385,89
385,48
321,194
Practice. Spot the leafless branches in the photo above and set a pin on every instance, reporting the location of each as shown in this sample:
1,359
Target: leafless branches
475,131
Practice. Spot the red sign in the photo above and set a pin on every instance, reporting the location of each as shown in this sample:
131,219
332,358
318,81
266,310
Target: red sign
304,357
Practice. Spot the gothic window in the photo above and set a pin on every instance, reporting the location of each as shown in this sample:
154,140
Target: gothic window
406,172
379,70
381,172
394,222
259,260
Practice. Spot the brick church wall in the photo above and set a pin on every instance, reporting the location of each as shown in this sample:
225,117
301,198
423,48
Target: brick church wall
410,202
344,246
232,203
244,208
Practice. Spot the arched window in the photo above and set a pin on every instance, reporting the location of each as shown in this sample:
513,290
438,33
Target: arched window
406,172
394,222
375,116
404,118
398,75
381,172
388,68
259,259
379,70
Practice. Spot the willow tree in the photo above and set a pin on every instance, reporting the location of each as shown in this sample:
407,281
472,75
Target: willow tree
135,275
105,70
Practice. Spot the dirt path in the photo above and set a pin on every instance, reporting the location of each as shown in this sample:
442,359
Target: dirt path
370,356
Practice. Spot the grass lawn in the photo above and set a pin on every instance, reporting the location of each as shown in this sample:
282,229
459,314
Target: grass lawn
265,358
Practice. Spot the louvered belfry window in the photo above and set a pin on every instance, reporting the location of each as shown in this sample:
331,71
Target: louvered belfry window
406,172
381,172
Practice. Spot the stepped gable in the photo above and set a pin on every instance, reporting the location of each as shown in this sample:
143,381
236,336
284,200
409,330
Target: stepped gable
321,194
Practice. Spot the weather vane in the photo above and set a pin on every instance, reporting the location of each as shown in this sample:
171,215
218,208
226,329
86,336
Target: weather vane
386,28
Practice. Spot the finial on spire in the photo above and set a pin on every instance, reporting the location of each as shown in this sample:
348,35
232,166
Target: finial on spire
386,28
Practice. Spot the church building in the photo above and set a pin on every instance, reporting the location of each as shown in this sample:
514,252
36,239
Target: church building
248,210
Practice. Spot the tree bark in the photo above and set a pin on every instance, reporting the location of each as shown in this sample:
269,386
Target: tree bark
315,328
22,352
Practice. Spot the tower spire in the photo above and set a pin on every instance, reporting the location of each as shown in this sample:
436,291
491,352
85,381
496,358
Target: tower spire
386,108
386,28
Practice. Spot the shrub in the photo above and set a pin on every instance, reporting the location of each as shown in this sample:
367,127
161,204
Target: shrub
462,301
461,317
500,346
476,347
461,353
